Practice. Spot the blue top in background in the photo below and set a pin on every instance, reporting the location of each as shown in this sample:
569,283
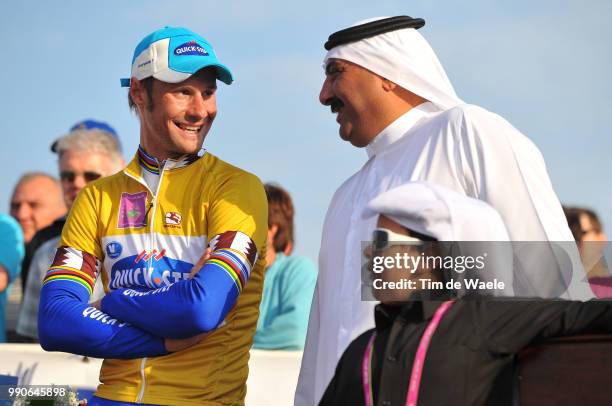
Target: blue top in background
11,254
285,304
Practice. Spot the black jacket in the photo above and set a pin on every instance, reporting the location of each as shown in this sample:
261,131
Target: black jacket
470,357
42,236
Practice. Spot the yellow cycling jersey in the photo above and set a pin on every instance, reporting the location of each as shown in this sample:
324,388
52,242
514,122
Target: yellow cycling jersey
123,223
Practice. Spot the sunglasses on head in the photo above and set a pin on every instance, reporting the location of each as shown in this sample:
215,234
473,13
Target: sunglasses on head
383,237
70,176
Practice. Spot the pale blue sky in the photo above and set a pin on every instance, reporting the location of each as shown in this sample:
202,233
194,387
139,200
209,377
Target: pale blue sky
542,65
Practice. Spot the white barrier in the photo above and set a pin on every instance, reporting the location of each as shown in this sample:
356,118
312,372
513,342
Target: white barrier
272,376
34,366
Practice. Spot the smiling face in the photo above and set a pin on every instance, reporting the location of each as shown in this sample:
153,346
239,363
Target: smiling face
179,115
357,96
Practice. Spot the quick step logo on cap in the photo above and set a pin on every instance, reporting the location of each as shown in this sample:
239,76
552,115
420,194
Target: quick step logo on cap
190,48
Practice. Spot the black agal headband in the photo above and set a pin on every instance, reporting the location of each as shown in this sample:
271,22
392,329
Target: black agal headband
371,29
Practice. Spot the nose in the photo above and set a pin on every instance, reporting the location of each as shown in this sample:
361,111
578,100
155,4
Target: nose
325,95
24,212
79,182
198,108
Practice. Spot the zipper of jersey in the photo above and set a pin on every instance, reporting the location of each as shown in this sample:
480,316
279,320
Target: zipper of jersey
143,360
150,247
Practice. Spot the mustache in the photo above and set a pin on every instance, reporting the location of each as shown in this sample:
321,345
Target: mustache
334,103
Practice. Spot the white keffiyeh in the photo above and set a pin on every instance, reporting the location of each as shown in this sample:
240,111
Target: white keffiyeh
405,58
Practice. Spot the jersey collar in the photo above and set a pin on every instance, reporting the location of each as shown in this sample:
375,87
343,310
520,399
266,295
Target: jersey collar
143,161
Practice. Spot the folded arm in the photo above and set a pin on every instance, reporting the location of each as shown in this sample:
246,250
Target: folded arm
193,306
67,323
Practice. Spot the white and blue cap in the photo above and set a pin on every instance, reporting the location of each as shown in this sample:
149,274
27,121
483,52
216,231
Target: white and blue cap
172,55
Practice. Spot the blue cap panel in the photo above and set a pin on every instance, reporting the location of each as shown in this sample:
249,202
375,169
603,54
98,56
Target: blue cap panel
189,54
166,32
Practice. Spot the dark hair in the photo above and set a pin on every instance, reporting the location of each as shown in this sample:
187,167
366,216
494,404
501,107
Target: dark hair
148,85
572,214
280,213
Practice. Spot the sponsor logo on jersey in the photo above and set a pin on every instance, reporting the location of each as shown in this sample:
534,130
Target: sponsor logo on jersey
132,210
190,48
148,269
96,314
113,249
173,219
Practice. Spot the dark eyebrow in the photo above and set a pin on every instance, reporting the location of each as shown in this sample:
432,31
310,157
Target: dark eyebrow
330,65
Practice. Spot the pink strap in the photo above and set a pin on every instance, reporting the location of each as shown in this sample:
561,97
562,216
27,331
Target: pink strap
419,360
365,368
417,366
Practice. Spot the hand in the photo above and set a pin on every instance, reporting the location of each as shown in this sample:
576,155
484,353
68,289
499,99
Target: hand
96,304
175,344
196,268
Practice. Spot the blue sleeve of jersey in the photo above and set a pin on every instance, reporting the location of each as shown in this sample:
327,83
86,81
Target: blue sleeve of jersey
183,309
67,323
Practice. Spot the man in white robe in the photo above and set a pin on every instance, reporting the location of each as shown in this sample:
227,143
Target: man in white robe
392,96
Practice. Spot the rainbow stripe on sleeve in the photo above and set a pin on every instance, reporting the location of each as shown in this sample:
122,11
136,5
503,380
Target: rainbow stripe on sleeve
235,253
73,265
231,263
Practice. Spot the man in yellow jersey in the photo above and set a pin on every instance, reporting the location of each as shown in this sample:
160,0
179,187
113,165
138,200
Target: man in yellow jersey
145,228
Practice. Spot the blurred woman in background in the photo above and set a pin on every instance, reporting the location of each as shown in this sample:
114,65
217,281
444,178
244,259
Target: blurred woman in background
289,281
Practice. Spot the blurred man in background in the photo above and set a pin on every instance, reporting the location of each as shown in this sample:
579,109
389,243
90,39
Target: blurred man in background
593,245
590,236
85,154
69,189
36,203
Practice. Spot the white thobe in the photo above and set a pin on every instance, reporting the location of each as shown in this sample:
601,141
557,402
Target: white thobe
465,148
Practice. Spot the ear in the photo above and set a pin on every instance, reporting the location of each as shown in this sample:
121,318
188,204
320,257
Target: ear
388,86
288,248
138,93
272,231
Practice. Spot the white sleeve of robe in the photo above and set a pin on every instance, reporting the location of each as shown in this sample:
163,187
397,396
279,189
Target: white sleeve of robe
498,164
